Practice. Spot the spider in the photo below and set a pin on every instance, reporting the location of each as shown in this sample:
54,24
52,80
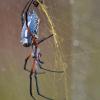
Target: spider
29,37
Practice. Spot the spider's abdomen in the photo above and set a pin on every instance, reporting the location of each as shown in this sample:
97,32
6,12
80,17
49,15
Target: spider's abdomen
33,23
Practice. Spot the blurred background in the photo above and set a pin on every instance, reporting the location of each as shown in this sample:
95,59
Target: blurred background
77,25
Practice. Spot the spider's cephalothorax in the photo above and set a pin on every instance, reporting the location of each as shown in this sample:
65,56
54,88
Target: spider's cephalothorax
35,3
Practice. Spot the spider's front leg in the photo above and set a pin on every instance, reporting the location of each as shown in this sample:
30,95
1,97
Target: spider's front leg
24,11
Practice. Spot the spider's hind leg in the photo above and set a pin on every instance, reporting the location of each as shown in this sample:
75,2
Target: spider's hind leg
30,76
37,88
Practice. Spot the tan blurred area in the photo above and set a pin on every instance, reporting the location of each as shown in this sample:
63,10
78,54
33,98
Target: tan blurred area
86,50
77,25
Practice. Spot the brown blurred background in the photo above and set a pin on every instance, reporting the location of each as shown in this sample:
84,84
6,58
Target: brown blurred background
14,81
77,24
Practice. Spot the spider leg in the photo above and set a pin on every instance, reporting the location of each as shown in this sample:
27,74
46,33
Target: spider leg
39,64
31,73
27,11
37,88
45,38
36,80
26,60
26,18
23,11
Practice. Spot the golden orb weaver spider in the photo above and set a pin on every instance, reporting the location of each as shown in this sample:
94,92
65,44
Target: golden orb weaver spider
30,38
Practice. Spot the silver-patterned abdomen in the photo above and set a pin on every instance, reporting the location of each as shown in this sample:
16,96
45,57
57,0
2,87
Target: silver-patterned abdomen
33,23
